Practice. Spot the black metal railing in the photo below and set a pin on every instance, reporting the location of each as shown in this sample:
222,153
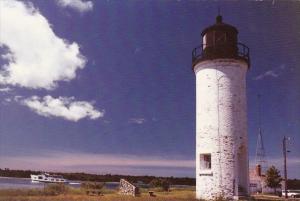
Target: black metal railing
204,52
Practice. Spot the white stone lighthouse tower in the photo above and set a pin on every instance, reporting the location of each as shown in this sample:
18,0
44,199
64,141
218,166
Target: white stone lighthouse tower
220,65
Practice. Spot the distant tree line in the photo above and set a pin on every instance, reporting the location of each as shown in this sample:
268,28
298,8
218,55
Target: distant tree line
293,184
99,178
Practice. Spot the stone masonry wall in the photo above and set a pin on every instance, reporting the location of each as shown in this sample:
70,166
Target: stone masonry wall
126,188
221,128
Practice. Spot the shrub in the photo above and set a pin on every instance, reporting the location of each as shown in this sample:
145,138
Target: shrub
162,183
56,189
92,185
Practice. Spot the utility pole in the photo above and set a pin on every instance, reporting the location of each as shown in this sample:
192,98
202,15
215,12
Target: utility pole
285,169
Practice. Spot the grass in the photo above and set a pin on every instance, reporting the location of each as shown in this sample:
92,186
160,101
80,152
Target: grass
272,198
79,194
73,194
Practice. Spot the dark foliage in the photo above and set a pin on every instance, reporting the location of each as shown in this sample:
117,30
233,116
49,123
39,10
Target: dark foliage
56,189
162,183
273,178
293,184
92,185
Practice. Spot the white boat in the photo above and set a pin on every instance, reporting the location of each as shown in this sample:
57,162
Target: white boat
47,178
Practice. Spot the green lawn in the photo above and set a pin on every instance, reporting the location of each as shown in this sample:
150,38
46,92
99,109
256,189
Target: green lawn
72,194
108,195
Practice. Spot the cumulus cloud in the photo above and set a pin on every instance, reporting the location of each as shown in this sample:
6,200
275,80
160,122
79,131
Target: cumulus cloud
5,89
274,73
269,73
66,108
6,101
35,57
137,120
78,5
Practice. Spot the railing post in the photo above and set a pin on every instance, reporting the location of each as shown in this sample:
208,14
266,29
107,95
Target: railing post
198,52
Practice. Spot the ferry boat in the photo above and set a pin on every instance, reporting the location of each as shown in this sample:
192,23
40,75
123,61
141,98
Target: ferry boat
47,178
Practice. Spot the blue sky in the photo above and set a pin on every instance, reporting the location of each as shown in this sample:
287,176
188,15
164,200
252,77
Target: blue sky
107,86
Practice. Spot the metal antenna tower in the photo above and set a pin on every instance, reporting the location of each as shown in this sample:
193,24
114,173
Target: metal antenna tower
260,149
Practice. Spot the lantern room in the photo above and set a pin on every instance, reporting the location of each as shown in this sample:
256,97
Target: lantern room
220,41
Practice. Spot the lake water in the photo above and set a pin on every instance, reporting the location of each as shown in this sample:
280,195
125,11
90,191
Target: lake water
12,182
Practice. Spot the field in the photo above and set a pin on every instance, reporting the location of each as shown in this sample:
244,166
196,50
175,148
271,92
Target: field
107,195
72,194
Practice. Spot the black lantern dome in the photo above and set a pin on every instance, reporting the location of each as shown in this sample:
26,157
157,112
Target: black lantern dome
220,41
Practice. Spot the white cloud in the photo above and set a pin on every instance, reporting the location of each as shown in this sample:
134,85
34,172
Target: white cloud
274,73
35,57
269,73
5,89
137,50
137,120
63,107
8,100
79,5
282,66
17,98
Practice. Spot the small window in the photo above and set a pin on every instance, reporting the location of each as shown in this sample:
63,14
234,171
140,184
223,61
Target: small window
205,161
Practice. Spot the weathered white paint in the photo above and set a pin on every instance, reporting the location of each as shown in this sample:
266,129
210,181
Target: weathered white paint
221,128
204,41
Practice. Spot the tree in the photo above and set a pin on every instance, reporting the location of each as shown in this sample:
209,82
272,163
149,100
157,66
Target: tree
165,185
273,178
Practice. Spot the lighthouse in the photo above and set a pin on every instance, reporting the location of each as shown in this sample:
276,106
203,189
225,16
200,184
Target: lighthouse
220,65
